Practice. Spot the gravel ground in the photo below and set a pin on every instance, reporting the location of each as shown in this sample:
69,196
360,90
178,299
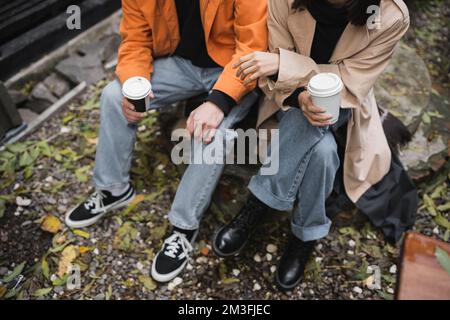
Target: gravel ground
49,173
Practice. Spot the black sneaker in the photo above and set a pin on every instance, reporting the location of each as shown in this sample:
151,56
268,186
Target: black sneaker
96,206
172,258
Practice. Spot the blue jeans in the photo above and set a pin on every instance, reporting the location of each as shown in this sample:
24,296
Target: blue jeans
174,79
308,162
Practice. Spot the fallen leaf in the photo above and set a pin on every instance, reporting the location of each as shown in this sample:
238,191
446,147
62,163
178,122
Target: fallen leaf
81,233
42,292
147,282
44,267
17,270
204,251
108,293
51,224
443,259
230,280
124,236
2,291
2,208
60,239
84,249
93,141
442,221
133,204
68,255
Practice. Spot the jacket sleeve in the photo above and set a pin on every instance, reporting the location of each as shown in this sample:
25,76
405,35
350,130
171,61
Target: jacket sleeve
135,51
358,72
250,27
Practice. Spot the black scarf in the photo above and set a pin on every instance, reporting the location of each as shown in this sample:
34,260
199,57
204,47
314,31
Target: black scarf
331,23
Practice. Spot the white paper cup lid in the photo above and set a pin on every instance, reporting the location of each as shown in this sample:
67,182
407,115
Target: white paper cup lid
136,88
325,85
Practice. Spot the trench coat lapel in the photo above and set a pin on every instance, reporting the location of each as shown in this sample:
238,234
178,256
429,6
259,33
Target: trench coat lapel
302,27
353,40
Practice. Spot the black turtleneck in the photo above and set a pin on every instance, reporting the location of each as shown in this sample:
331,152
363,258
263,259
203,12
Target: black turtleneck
330,24
192,46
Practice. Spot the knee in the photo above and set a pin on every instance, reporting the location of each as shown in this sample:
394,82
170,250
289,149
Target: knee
111,97
325,152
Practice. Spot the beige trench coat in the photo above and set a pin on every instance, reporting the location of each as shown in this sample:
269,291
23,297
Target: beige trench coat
359,58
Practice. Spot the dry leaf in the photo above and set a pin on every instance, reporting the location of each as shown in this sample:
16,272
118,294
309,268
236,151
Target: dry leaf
138,199
204,251
60,239
81,233
51,224
84,249
68,255
92,141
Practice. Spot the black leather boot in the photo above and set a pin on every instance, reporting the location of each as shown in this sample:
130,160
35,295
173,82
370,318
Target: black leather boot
292,264
232,238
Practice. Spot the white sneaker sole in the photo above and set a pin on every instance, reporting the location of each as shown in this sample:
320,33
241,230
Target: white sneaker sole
86,223
168,276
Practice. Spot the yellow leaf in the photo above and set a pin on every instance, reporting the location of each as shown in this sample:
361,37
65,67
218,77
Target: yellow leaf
138,199
60,239
84,249
2,291
51,224
147,282
92,141
68,255
82,233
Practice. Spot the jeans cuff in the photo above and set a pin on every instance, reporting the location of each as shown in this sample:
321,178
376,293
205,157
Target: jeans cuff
311,233
179,224
111,187
267,197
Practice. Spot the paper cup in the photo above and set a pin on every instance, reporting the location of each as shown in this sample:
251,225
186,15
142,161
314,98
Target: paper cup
137,90
325,90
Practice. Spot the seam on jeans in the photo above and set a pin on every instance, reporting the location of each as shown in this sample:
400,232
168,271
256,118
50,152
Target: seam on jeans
206,187
300,173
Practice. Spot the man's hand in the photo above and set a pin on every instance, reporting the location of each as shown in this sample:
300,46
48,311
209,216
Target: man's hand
257,64
204,121
130,112
316,116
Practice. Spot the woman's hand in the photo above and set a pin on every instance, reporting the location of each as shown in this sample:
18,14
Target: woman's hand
316,116
257,64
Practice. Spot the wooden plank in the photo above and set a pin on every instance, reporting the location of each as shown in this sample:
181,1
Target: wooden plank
421,277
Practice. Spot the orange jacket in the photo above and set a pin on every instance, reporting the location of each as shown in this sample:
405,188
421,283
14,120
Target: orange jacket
233,28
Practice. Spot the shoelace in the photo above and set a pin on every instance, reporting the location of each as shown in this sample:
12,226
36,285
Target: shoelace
95,201
174,243
247,218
